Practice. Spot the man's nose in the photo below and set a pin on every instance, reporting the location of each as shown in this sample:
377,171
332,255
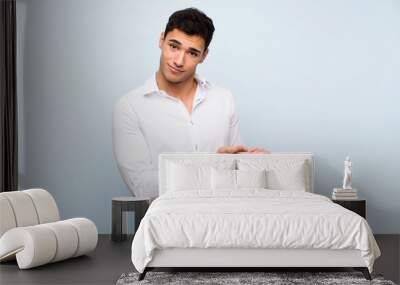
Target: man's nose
180,59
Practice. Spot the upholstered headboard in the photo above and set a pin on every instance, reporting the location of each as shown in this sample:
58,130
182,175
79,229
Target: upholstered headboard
241,161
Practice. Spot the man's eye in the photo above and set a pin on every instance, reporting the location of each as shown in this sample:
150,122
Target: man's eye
194,54
173,46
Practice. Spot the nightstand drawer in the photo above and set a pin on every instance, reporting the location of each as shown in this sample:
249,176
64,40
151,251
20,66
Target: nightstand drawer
357,206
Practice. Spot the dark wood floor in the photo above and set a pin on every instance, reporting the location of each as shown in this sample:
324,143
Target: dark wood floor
110,260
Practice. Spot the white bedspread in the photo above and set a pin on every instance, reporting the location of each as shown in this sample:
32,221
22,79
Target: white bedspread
250,219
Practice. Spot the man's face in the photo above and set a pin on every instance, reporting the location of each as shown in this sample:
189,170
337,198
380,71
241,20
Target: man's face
180,55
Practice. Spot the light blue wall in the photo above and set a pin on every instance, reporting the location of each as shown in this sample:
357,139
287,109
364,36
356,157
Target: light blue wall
319,76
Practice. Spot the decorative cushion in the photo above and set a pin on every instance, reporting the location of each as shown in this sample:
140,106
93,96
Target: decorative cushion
223,179
282,174
188,177
226,179
187,174
251,178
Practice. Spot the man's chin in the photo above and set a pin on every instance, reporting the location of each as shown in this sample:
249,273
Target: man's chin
176,79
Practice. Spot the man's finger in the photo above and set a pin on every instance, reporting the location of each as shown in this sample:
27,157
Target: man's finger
258,150
240,148
227,149
232,149
223,149
261,150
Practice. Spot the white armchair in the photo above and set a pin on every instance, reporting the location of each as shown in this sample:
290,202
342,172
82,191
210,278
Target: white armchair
31,230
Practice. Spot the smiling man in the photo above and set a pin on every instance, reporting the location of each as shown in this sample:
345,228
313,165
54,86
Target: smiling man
175,110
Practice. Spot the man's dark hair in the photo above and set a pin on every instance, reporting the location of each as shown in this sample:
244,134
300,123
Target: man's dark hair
191,21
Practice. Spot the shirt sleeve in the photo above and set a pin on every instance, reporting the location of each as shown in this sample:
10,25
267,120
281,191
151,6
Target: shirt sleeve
132,153
234,133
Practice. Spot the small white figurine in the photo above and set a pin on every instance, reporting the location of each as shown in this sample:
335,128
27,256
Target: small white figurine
347,174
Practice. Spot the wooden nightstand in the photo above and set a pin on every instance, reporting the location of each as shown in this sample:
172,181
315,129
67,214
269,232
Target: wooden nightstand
358,206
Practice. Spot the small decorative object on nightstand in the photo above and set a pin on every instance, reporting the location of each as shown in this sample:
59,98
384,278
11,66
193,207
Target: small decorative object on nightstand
358,206
126,204
347,192
348,176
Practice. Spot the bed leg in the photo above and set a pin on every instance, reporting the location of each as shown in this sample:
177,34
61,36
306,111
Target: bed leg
143,274
364,271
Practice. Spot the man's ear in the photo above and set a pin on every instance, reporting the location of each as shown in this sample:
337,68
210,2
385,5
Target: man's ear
203,57
161,41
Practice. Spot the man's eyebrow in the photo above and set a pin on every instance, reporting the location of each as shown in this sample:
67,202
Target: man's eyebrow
179,43
175,41
194,50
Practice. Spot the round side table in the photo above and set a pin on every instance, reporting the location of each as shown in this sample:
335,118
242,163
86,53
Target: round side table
120,205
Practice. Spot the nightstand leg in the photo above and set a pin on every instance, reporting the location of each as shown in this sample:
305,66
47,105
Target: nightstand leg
118,222
140,211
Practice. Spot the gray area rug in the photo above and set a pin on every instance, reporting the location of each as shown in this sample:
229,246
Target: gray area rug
229,278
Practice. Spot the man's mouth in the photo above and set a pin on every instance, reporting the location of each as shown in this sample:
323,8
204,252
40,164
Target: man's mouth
174,70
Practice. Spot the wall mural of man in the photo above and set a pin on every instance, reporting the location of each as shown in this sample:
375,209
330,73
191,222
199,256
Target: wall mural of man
175,110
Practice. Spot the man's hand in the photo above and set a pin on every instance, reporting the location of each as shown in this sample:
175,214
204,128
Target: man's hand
241,149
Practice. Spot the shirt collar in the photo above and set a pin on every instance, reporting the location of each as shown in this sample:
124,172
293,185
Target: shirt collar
150,86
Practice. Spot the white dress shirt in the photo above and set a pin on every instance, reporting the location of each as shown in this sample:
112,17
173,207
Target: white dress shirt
147,121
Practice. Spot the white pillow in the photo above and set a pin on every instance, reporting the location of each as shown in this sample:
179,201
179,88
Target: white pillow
223,179
288,179
189,174
251,178
282,174
183,177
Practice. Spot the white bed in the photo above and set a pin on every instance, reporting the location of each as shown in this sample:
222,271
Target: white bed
201,220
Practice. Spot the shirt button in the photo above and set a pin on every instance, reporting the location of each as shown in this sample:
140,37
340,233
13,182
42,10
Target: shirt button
191,122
